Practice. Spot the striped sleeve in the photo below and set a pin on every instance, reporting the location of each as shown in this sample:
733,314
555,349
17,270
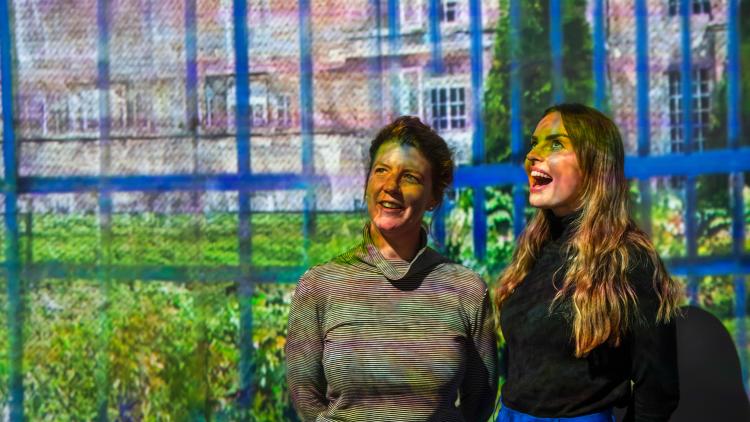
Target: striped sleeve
304,352
478,390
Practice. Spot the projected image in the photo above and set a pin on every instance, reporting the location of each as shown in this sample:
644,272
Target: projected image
171,168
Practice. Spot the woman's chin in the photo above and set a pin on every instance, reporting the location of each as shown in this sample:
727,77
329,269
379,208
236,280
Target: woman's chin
392,226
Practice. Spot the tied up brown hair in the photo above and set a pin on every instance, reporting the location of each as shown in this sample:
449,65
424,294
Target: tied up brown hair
600,250
409,130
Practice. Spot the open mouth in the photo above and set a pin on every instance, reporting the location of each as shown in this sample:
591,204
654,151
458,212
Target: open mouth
390,205
540,178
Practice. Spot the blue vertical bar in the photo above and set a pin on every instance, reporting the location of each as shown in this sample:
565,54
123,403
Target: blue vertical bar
394,51
191,68
306,113
438,225
556,43
600,57
246,287
686,75
477,87
191,95
690,234
12,264
436,50
375,81
477,90
516,130
686,85
103,19
642,73
733,137
643,113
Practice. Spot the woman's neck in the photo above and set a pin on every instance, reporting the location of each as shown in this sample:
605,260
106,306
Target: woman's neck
403,245
561,225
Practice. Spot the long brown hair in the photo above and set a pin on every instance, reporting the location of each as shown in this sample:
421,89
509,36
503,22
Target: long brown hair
600,249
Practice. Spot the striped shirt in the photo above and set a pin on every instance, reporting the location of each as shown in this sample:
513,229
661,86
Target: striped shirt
371,339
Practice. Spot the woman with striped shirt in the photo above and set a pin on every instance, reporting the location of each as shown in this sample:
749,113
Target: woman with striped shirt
391,330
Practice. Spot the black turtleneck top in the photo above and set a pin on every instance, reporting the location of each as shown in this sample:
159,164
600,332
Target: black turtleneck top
543,376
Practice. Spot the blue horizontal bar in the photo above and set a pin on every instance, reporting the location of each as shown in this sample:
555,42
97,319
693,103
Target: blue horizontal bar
184,274
696,164
701,266
709,265
141,183
489,175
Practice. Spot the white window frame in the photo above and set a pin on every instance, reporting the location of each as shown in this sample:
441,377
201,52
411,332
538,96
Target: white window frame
83,108
454,112
410,93
35,114
456,10
219,97
59,115
283,112
412,18
697,7
702,88
118,103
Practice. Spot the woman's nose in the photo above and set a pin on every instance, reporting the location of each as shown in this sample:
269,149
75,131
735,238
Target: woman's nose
391,183
533,156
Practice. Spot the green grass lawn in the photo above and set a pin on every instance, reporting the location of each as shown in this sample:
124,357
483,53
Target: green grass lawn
184,239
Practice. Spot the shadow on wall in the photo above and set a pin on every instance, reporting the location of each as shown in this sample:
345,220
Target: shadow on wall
710,376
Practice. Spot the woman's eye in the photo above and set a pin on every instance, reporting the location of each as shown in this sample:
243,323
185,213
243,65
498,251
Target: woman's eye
379,170
411,178
557,145
532,145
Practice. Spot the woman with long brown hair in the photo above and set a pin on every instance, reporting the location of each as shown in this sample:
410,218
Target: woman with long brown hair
586,306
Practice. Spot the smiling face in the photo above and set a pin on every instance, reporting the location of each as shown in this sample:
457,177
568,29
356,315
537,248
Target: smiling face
399,189
555,179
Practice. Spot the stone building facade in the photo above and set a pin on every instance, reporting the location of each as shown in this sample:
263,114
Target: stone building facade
708,55
361,80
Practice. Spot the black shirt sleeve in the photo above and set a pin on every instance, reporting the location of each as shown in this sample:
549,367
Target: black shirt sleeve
653,352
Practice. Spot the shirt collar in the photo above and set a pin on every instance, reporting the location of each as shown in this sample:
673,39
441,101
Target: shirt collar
425,259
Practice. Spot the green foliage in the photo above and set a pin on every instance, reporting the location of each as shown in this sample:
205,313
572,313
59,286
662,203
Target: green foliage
160,350
500,239
668,234
154,351
535,63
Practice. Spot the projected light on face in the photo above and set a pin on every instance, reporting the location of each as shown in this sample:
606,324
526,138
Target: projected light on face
555,179
399,189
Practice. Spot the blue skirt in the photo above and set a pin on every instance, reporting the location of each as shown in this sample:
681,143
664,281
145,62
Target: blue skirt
507,414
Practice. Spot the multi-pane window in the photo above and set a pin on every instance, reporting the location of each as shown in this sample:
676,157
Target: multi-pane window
118,98
34,114
259,112
448,10
84,109
448,108
219,94
58,116
701,104
140,110
409,102
221,103
283,110
411,13
698,7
